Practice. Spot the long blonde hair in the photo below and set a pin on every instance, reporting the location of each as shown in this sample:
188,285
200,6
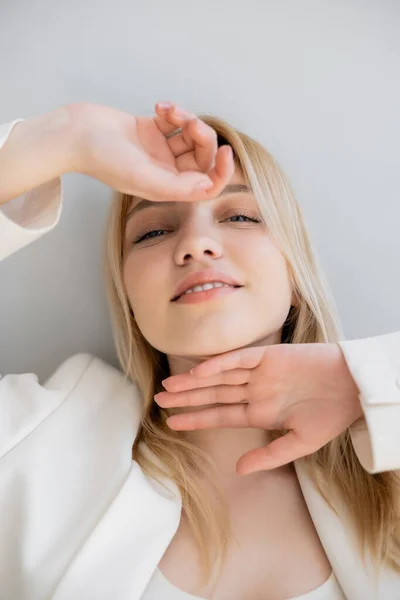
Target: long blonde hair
369,499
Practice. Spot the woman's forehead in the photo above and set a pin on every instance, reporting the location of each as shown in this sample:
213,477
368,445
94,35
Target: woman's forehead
237,176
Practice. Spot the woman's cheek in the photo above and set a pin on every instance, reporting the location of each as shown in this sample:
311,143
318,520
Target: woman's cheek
145,281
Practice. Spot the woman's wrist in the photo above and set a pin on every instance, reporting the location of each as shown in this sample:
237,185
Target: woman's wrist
38,150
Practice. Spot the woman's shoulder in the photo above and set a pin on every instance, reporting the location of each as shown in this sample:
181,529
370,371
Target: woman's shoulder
73,371
65,453
83,364
83,384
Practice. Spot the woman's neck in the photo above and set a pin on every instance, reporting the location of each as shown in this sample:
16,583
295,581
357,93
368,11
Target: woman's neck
224,446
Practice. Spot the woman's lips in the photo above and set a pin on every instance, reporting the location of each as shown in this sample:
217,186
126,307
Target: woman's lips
202,278
196,297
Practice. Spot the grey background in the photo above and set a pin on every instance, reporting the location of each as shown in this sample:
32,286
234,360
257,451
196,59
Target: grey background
317,82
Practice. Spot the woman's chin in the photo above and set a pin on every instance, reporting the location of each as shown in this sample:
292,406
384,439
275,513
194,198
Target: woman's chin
214,344
208,342
205,350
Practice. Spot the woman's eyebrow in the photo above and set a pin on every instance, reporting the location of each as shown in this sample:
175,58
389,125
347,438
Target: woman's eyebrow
231,188
146,204
235,188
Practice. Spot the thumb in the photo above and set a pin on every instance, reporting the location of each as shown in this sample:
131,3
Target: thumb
276,454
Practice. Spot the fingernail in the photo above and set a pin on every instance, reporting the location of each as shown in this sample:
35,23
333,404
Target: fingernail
164,105
192,371
229,150
203,184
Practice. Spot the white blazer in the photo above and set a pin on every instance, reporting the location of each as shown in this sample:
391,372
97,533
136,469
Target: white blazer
78,518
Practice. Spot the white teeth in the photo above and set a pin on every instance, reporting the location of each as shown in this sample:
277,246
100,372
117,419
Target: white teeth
207,286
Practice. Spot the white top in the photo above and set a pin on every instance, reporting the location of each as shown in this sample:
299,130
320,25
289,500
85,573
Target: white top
160,587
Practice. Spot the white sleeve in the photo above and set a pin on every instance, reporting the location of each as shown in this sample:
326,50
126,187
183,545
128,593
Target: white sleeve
28,217
375,366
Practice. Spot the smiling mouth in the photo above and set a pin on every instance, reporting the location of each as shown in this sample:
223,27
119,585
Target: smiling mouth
208,287
205,293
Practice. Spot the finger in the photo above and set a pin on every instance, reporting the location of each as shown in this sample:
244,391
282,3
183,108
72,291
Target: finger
170,117
245,358
179,146
224,394
222,172
187,381
205,142
278,453
210,418
197,144
155,182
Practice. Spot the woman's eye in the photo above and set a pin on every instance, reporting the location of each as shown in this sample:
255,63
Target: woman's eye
241,218
237,218
149,235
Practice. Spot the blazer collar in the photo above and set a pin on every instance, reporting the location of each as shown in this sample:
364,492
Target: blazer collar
120,556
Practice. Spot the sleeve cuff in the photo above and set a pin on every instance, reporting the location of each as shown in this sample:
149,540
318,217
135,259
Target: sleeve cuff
6,129
375,366
375,439
27,218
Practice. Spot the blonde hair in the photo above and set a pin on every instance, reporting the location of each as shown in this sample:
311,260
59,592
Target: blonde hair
369,499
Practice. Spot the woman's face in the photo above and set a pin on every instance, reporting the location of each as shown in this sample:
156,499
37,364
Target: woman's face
165,243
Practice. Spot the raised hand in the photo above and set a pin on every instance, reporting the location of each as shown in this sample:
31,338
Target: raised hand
139,156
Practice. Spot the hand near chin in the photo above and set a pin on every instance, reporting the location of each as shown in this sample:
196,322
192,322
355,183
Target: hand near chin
304,389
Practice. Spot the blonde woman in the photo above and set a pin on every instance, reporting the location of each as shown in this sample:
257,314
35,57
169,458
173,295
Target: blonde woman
244,452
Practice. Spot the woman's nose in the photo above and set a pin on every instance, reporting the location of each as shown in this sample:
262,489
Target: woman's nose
195,247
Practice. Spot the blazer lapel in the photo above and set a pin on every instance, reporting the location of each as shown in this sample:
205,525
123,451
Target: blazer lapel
121,554
338,540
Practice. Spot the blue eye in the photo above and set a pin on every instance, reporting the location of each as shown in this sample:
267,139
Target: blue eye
242,218
148,235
